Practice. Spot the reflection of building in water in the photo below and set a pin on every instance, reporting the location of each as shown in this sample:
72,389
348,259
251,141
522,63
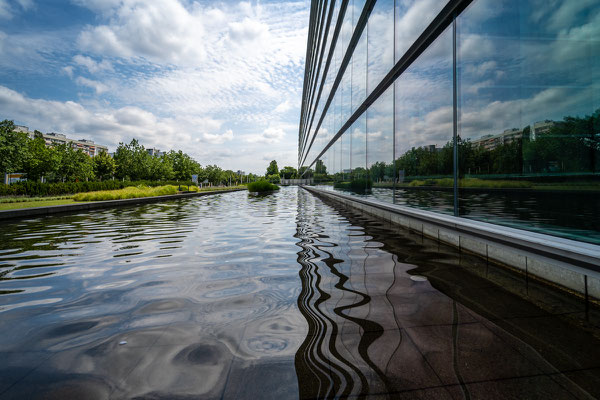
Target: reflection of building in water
345,277
376,327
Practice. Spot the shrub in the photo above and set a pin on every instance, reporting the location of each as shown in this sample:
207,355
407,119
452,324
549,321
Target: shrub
28,188
262,186
358,185
126,193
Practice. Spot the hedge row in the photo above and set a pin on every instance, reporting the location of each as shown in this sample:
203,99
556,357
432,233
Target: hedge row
60,188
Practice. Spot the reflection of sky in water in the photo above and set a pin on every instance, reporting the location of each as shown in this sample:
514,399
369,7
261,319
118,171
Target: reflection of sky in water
278,295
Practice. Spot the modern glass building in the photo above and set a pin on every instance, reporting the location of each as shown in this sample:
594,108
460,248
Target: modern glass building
484,109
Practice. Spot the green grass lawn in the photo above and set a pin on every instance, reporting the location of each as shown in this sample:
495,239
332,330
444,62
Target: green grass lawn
37,203
15,203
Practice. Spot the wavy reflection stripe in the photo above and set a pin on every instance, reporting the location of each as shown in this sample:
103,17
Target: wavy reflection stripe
367,325
317,329
311,282
330,261
310,362
387,295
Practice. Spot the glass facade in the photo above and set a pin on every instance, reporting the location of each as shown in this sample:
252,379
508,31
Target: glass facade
484,109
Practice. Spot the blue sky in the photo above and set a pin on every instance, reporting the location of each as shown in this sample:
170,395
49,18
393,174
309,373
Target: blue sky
221,81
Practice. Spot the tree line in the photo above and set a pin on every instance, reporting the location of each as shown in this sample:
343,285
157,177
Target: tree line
570,146
131,162
274,174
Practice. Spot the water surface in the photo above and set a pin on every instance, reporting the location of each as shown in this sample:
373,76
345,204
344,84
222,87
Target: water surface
276,296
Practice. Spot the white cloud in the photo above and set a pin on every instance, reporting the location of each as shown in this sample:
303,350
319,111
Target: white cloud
5,10
92,66
110,126
25,4
163,31
269,135
68,70
207,70
283,107
247,30
218,138
99,87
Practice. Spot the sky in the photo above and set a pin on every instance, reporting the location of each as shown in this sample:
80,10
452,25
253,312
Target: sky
221,81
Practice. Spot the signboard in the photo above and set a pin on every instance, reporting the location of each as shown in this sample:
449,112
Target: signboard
195,178
12,178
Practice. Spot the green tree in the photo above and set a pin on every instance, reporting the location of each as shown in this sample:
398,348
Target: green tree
161,168
73,165
40,160
288,172
104,166
305,173
124,159
274,178
132,161
320,167
272,169
183,165
213,174
13,148
378,172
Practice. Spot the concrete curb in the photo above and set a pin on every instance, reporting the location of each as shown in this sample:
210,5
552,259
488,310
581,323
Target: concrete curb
95,205
570,264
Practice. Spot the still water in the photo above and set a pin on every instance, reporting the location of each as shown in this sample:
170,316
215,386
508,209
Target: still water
278,296
572,215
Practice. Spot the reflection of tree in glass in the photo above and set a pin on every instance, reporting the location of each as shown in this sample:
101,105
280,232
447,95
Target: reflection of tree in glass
569,146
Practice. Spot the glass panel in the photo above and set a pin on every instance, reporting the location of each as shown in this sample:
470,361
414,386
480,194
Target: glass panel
528,84
345,156
332,67
380,42
412,17
359,72
380,146
320,175
424,130
346,91
359,182
357,7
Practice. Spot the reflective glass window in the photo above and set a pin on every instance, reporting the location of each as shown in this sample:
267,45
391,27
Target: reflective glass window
380,42
380,146
528,108
424,130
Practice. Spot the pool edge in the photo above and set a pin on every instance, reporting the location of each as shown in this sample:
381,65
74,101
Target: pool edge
95,205
570,265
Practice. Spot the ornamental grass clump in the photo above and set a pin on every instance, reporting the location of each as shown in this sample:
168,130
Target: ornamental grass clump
262,186
130,192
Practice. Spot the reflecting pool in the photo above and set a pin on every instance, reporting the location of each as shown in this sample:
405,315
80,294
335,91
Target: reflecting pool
277,296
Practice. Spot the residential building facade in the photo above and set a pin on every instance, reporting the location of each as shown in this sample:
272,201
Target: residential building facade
53,139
